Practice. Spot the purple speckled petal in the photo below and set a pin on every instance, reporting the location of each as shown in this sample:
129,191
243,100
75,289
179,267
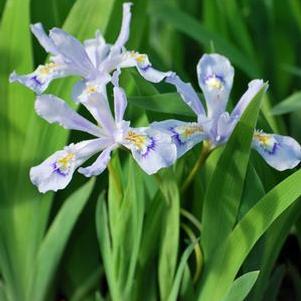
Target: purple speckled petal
215,76
280,152
185,135
56,171
152,149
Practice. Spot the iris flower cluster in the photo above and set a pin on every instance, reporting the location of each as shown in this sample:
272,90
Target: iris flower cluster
156,146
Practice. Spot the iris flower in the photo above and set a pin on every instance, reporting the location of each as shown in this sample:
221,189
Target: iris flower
93,61
215,77
151,148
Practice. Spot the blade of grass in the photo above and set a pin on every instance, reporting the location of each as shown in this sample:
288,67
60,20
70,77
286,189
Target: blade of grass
227,259
55,241
229,176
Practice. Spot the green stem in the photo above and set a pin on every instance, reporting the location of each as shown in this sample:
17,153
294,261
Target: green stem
205,152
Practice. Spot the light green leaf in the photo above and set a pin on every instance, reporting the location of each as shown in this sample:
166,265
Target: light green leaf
288,105
170,234
228,258
170,103
228,176
188,25
241,287
179,274
57,236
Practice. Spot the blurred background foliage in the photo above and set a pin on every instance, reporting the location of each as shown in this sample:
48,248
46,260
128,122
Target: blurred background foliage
50,248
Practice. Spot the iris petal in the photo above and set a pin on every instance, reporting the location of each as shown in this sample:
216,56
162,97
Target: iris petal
215,76
280,152
185,135
151,148
56,172
55,110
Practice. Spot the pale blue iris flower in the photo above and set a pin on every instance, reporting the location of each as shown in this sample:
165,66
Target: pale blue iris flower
152,149
93,61
215,77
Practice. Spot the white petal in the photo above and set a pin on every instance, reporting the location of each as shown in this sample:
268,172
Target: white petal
39,80
97,49
185,135
38,30
56,172
55,110
280,152
99,165
73,51
188,94
93,96
151,148
125,28
215,76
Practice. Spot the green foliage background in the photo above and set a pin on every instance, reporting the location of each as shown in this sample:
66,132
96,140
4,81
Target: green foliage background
129,236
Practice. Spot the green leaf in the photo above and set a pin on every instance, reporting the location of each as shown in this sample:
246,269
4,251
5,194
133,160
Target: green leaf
241,287
188,25
180,271
52,247
228,258
170,103
288,105
169,235
229,176
119,229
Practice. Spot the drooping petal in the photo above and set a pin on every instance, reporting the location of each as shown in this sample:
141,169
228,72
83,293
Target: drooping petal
93,96
56,171
97,49
125,28
280,152
74,52
185,135
143,65
151,148
39,32
253,88
39,80
215,76
188,94
99,165
55,110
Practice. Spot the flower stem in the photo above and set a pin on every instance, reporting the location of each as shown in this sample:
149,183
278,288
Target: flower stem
205,152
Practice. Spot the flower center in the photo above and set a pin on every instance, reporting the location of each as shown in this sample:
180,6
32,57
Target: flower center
142,143
140,58
63,164
91,89
46,69
138,140
182,133
214,82
267,142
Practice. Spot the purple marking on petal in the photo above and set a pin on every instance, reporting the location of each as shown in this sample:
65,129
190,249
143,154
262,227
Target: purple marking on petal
149,147
145,68
273,151
219,77
176,136
36,81
57,170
